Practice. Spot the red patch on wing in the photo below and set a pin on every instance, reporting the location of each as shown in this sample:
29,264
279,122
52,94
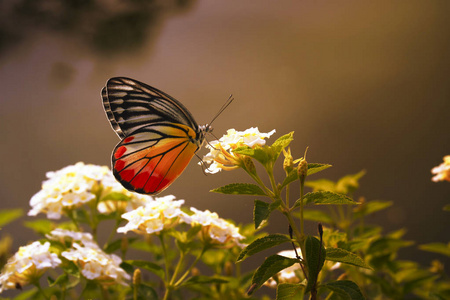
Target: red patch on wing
127,175
120,151
119,165
139,181
128,139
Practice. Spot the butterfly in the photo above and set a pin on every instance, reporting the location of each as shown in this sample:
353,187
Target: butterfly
159,136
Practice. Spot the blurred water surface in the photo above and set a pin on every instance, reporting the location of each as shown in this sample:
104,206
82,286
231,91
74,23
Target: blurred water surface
364,84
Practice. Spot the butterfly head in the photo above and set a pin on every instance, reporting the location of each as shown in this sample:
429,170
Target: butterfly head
203,130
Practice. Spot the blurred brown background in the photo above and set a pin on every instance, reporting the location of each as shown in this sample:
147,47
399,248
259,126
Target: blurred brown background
364,84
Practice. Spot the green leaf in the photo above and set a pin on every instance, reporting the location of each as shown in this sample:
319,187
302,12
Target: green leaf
127,267
25,295
40,226
314,258
262,210
345,289
271,266
9,215
146,292
346,257
387,246
240,189
142,246
115,245
261,213
261,244
192,232
146,265
321,185
289,291
202,279
61,280
316,167
315,215
115,196
371,207
348,184
324,197
259,153
312,168
81,216
281,143
440,248
447,207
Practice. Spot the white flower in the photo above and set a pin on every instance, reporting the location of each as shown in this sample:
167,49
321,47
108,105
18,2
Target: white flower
136,200
214,228
442,171
78,184
62,235
221,156
96,264
27,265
156,215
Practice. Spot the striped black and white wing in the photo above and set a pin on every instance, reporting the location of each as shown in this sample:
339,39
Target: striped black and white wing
130,105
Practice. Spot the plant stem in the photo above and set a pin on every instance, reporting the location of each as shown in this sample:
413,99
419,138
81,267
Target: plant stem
302,227
177,269
166,258
287,196
41,291
205,247
166,264
70,214
258,180
112,234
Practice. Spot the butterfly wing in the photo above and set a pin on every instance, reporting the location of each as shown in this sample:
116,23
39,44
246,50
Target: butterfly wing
130,105
148,160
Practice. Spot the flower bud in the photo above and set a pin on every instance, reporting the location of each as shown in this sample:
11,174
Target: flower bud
320,229
302,170
195,272
249,165
137,277
288,163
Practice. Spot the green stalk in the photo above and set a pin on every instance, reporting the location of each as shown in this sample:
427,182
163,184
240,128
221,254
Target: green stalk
166,265
41,291
180,281
112,234
177,269
166,258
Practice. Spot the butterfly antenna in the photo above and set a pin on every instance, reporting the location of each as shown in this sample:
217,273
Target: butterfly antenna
224,106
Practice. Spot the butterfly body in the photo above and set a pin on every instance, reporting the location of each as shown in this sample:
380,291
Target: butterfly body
159,135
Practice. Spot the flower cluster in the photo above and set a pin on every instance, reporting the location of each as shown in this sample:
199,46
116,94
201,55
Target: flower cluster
78,184
214,229
92,261
442,172
221,156
96,264
63,235
134,200
156,215
27,265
